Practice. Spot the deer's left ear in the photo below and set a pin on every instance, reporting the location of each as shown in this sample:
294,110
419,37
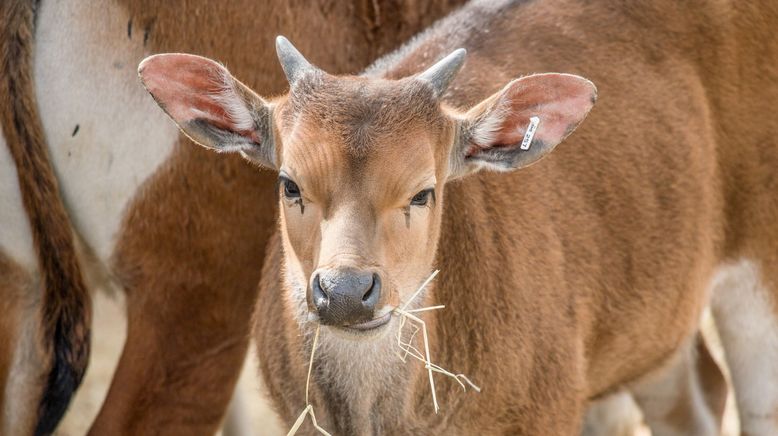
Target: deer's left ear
521,123
210,106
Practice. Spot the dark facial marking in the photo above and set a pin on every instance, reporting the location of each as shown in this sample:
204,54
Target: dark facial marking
75,130
129,29
299,201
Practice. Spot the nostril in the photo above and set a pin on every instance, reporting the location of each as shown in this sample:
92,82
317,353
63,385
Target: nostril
369,292
320,298
370,298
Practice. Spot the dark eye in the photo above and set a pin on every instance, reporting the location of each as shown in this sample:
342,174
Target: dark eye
291,190
422,198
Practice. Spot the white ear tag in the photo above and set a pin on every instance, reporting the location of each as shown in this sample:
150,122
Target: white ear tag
531,129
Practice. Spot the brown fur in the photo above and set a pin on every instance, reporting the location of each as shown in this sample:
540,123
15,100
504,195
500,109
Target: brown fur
9,322
195,286
194,238
577,275
65,308
16,296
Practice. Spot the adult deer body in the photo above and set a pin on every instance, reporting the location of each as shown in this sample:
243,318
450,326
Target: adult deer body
562,280
185,238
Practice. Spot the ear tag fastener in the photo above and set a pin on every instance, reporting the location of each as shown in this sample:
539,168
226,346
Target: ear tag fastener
531,129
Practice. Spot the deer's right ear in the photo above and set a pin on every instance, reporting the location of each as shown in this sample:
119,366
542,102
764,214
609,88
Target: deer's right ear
210,106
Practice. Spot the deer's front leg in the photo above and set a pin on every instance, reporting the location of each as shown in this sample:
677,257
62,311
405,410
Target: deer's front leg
190,257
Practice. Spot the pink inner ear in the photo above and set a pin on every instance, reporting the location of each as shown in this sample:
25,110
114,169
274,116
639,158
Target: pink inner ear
191,87
560,100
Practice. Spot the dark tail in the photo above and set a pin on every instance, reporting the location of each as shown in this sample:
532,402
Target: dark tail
66,303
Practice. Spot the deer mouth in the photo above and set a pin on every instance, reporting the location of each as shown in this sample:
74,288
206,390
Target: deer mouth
372,324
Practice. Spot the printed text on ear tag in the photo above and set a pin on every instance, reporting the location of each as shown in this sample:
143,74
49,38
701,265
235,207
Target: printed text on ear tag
533,126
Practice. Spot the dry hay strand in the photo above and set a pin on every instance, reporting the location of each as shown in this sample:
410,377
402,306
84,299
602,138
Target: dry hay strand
407,316
308,407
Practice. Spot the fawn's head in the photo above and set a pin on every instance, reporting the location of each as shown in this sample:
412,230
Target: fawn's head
362,163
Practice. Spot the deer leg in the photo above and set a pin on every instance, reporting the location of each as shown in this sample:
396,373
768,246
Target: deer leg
190,258
745,306
685,397
23,362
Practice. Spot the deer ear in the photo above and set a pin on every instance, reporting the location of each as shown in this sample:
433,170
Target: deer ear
209,105
521,123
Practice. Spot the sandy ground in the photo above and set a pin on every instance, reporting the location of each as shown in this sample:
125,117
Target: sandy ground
250,414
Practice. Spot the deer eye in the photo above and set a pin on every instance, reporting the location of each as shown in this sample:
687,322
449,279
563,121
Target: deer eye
423,197
291,190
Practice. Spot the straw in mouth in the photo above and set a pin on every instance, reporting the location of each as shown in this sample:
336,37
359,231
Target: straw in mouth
407,316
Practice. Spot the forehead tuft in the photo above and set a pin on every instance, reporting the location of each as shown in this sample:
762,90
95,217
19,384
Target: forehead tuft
363,113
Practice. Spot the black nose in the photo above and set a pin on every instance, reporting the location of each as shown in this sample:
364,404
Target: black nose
345,296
